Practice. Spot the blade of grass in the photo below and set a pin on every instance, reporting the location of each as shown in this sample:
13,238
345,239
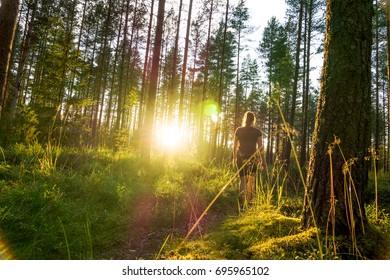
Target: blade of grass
66,238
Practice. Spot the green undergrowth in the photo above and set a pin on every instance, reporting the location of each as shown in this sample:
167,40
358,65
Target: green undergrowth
267,234
76,208
256,234
61,203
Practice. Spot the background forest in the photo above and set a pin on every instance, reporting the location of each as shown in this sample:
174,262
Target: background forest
111,110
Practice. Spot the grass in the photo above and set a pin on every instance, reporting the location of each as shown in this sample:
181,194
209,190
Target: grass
84,204
78,210
264,234
271,229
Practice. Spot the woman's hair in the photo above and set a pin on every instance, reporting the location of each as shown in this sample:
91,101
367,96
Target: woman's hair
248,119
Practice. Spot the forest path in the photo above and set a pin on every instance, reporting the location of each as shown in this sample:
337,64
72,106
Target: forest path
145,237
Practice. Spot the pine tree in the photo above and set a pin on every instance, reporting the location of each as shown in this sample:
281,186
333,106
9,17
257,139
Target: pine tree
338,171
8,17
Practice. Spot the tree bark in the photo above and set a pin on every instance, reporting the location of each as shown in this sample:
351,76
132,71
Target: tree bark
206,75
173,85
305,98
9,11
291,118
151,102
184,67
221,82
121,89
336,180
387,9
145,70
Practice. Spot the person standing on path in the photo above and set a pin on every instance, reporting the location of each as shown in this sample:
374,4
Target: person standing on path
248,153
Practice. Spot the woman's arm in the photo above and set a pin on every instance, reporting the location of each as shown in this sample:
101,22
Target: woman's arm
235,149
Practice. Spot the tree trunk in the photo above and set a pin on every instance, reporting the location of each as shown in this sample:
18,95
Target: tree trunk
387,8
206,76
305,99
145,68
101,79
173,86
9,10
24,52
184,68
336,180
291,119
113,76
121,89
377,85
221,80
151,103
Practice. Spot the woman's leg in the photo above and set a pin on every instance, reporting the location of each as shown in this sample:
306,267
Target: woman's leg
250,187
243,190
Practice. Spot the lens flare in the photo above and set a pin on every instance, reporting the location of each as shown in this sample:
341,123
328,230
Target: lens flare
210,108
5,254
214,118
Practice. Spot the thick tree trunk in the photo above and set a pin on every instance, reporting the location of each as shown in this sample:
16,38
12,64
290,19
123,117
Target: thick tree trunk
334,194
9,10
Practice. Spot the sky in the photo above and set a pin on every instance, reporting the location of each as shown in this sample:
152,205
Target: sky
261,12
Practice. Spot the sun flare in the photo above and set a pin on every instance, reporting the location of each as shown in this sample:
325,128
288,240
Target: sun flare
171,137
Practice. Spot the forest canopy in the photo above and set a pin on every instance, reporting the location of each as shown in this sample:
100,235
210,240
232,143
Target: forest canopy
80,73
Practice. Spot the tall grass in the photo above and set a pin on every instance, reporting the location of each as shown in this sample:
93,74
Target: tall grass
74,205
271,183
82,204
296,158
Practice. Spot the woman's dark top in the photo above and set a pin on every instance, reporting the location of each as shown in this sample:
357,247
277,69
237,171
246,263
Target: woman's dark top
247,140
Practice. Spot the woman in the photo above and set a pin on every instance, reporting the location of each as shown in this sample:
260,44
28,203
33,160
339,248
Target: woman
248,143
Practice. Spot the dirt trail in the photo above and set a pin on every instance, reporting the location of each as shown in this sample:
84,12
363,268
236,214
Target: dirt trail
145,239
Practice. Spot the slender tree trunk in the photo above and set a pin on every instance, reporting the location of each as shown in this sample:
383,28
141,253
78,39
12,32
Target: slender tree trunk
24,52
387,9
184,67
269,127
221,80
130,72
121,90
9,11
206,75
377,113
291,118
78,44
305,102
101,83
151,104
145,69
196,40
173,86
113,77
